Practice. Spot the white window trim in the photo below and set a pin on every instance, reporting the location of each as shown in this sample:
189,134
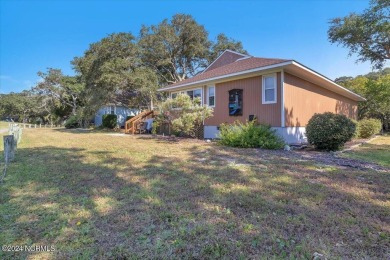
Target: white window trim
208,93
263,89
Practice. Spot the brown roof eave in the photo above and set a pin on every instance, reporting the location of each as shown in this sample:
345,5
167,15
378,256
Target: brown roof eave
205,81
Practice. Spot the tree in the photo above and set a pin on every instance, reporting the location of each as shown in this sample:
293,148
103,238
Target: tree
377,93
179,48
67,90
367,34
223,43
176,49
21,107
375,87
112,71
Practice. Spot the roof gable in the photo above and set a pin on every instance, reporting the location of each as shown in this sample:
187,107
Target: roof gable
228,56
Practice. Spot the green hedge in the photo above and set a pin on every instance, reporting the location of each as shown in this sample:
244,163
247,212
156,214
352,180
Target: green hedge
110,121
368,127
329,131
249,135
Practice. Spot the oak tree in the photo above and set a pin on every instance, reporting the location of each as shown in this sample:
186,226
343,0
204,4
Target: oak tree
366,34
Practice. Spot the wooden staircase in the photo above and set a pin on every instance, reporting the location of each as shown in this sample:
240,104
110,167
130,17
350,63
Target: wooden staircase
132,124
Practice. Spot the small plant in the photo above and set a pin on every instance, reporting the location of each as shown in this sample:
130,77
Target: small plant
109,121
369,127
249,135
329,131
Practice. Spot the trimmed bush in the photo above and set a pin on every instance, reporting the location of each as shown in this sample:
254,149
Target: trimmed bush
249,135
110,121
369,127
72,122
329,131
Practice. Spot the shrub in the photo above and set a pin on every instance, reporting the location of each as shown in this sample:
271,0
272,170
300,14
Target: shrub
73,122
369,127
183,114
356,133
249,135
329,131
109,121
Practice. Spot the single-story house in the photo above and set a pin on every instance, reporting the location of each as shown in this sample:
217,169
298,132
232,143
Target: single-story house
280,92
115,109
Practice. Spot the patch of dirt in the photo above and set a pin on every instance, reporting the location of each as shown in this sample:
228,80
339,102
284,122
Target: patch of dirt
330,159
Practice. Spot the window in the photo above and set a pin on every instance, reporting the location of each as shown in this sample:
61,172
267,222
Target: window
196,93
269,89
211,96
235,102
193,94
112,112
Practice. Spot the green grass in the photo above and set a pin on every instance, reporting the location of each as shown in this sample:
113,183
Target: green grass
3,125
94,195
377,151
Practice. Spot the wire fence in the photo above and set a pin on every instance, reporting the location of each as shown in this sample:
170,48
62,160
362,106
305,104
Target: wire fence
11,142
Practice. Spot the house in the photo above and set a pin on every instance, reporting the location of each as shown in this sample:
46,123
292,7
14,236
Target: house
280,92
120,110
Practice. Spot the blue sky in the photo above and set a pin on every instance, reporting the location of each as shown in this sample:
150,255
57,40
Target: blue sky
36,35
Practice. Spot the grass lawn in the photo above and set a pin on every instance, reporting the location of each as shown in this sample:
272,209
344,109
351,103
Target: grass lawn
95,195
377,151
3,125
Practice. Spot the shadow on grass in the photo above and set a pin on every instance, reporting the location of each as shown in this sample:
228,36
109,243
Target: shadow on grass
85,131
220,203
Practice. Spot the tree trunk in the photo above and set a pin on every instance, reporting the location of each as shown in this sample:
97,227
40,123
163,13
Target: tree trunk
151,102
74,107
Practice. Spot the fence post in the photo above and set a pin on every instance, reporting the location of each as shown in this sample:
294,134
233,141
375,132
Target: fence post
19,133
9,148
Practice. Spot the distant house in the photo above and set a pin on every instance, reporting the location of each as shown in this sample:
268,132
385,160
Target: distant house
120,110
280,92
